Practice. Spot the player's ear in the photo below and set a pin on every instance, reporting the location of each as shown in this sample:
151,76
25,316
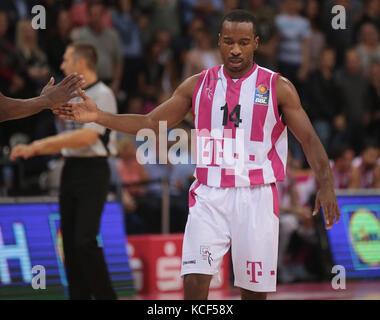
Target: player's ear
219,39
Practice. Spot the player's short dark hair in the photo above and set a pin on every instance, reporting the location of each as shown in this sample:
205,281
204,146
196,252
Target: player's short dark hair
240,16
86,51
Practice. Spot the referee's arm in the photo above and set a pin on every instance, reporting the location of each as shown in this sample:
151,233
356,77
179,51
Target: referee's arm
53,145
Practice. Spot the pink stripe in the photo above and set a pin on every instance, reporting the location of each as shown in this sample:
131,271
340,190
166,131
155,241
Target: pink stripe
260,111
192,195
258,120
201,175
276,205
206,99
256,176
232,100
274,96
277,165
196,91
227,178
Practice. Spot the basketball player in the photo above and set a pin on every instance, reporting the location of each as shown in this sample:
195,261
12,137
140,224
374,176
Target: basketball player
51,96
228,207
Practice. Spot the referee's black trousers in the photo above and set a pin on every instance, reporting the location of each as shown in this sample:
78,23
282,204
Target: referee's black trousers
83,192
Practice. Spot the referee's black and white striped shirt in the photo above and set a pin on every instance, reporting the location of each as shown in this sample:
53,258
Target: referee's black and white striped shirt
105,145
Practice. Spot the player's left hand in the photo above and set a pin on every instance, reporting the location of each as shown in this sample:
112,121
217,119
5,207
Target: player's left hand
327,200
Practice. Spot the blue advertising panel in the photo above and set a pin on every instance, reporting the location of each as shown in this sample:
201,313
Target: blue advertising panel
355,240
30,237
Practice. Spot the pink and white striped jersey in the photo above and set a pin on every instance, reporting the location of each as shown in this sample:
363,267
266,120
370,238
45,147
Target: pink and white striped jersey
240,138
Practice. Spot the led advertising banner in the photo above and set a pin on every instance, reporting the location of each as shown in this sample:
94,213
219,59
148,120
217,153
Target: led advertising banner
355,240
31,247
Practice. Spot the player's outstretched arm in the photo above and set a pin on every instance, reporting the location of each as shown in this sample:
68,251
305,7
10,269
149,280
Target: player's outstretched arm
299,123
173,111
51,95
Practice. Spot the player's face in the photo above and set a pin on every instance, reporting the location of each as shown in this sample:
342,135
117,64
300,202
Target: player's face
68,65
237,42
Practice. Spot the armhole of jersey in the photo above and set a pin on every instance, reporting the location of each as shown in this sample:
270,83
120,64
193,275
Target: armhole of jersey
274,97
195,93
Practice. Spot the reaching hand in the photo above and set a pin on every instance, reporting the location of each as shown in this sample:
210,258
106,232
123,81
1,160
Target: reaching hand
327,200
64,91
85,111
22,151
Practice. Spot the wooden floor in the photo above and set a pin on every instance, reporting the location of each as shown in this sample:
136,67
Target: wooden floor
355,290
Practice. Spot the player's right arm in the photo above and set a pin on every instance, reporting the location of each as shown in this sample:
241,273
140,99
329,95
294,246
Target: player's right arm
51,95
173,111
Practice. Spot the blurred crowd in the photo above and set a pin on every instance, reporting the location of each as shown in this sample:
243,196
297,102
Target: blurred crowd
147,47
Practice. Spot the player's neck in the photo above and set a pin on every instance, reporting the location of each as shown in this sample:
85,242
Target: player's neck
240,74
89,77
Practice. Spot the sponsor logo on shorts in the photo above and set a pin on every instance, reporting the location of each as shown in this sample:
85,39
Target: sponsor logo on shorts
206,254
189,262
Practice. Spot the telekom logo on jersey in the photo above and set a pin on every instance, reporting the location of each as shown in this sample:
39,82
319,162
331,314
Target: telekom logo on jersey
207,148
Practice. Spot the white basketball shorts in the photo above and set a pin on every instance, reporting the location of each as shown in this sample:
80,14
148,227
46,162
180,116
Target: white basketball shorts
244,219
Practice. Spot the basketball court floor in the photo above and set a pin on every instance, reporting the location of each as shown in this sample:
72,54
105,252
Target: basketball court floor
355,290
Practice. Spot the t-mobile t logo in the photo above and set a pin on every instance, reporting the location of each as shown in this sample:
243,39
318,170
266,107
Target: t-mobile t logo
255,269
251,270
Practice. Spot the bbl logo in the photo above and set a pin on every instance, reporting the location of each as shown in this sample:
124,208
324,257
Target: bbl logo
365,236
261,95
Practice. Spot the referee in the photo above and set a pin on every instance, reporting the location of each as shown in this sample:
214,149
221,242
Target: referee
84,181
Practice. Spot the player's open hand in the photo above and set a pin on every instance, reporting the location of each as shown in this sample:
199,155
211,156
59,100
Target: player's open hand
64,91
22,151
327,200
85,111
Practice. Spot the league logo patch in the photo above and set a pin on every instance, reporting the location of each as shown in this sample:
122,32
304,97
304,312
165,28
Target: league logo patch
262,95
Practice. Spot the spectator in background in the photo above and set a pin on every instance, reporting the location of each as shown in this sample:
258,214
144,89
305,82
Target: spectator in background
204,9
80,17
295,218
203,56
266,54
293,55
368,46
150,209
36,61
125,23
341,166
339,39
131,172
107,44
61,39
164,14
371,13
317,38
353,92
323,104
294,42
17,10
374,100
11,63
366,168
181,177
151,74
